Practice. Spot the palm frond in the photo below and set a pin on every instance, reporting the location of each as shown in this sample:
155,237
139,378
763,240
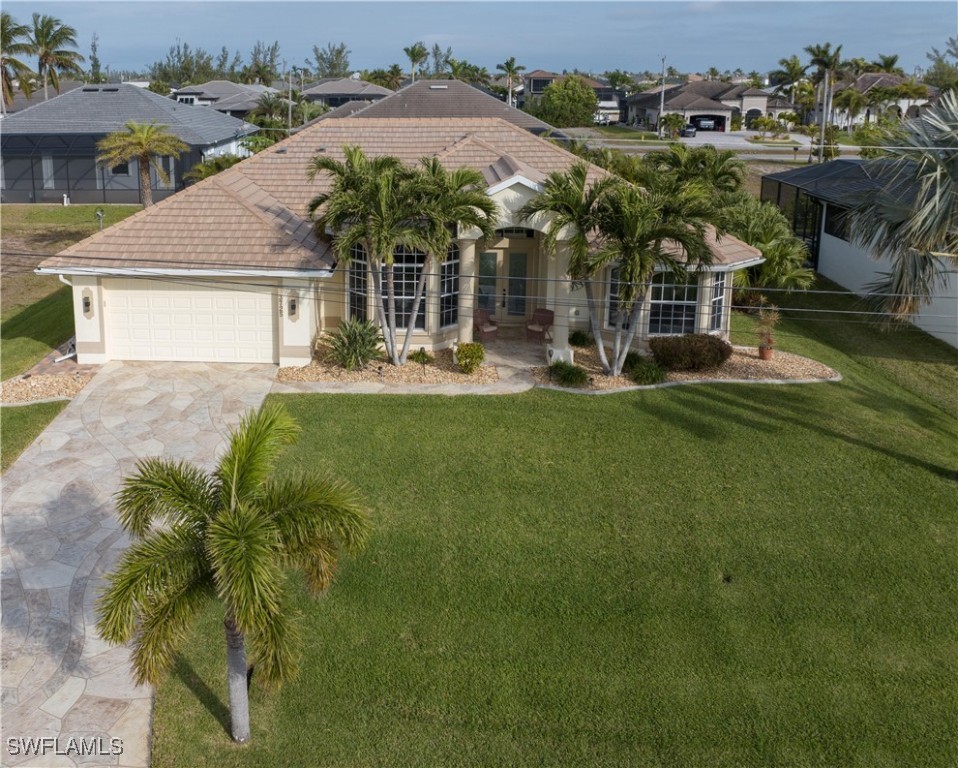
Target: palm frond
163,490
274,646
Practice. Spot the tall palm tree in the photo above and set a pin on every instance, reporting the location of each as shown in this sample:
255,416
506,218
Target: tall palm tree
51,40
572,204
14,42
641,237
229,535
418,54
886,63
512,72
448,201
146,144
828,64
371,202
852,102
912,218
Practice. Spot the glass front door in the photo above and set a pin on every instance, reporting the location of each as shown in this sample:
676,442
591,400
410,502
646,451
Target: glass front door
503,284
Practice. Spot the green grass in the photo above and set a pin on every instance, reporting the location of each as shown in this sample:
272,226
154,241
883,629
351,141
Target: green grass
20,426
623,132
713,575
54,227
32,332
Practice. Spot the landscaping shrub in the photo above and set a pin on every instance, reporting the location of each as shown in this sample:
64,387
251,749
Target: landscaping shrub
568,375
632,359
646,372
580,339
420,356
469,356
354,343
692,352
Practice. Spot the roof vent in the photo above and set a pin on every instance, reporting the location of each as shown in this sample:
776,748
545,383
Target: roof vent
281,151
91,90
111,90
438,87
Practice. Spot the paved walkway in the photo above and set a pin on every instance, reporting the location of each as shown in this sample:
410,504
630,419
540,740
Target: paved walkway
60,535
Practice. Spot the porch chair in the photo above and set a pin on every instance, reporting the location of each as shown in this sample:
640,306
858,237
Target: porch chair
484,326
540,326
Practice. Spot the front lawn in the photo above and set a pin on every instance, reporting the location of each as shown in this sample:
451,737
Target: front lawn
34,331
21,425
711,575
624,132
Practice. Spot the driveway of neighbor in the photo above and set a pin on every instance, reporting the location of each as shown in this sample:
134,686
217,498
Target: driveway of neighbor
60,535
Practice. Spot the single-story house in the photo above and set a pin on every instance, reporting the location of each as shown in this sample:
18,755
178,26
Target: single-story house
230,269
706,100
334,92
48,151
871,83
234,99
817,200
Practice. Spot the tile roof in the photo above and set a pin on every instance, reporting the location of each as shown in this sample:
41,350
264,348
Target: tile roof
103,109
347,86
255,214
222,89
21,102
451,98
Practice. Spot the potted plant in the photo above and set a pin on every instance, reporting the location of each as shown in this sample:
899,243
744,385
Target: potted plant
768,318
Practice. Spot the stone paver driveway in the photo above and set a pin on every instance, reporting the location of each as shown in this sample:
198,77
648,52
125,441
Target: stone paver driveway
60,535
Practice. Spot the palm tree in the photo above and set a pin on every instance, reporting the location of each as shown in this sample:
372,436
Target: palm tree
230,535
572,204
886,63
145,143
372,203
828,64
50,39
720,170
418,54
791,73
852,102
449,201
642,237
912,218
211,167
14,42
512,71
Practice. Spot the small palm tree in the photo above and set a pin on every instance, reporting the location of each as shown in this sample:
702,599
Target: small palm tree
371,203
229,535
886,63
572,205
418,54
852,102
912,218
672,123
512,71
144,143
14,42
641,236
51,39
211,167
720,169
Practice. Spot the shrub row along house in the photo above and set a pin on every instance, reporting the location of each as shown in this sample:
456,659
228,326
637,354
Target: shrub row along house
231,269
49,149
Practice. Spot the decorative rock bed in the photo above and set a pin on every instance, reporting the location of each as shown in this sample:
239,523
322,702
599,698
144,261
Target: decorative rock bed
29,389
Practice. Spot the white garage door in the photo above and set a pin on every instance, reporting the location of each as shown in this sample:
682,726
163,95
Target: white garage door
160,320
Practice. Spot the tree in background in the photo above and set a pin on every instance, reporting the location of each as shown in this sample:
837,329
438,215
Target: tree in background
886,63
672,123
14,43
146,144
440,61
791,72
51,40
827,64
621,82
418,54
565,103
943,72
95,74
332,61
211,167
230,535
513,72
263,67
851,102
387,78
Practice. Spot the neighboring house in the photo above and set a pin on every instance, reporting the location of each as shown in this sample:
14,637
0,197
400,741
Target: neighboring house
611,102
230,269
871,83
705,100
334,92
49,150
817,199
234,99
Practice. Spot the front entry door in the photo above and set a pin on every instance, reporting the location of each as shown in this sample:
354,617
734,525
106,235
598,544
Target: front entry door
503,284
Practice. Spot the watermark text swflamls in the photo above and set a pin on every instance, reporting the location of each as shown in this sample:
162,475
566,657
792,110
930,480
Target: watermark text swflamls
50,745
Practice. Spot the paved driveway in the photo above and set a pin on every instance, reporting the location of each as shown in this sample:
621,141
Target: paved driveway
60,536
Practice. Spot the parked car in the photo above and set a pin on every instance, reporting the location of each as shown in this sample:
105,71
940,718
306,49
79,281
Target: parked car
688,130
706,124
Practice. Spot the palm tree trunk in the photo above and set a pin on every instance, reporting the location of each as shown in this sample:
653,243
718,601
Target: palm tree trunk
630,336
391,310
146,188
416,301
45,73
377,280
596,326
236,680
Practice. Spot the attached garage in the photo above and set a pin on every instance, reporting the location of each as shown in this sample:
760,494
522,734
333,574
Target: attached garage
189,320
